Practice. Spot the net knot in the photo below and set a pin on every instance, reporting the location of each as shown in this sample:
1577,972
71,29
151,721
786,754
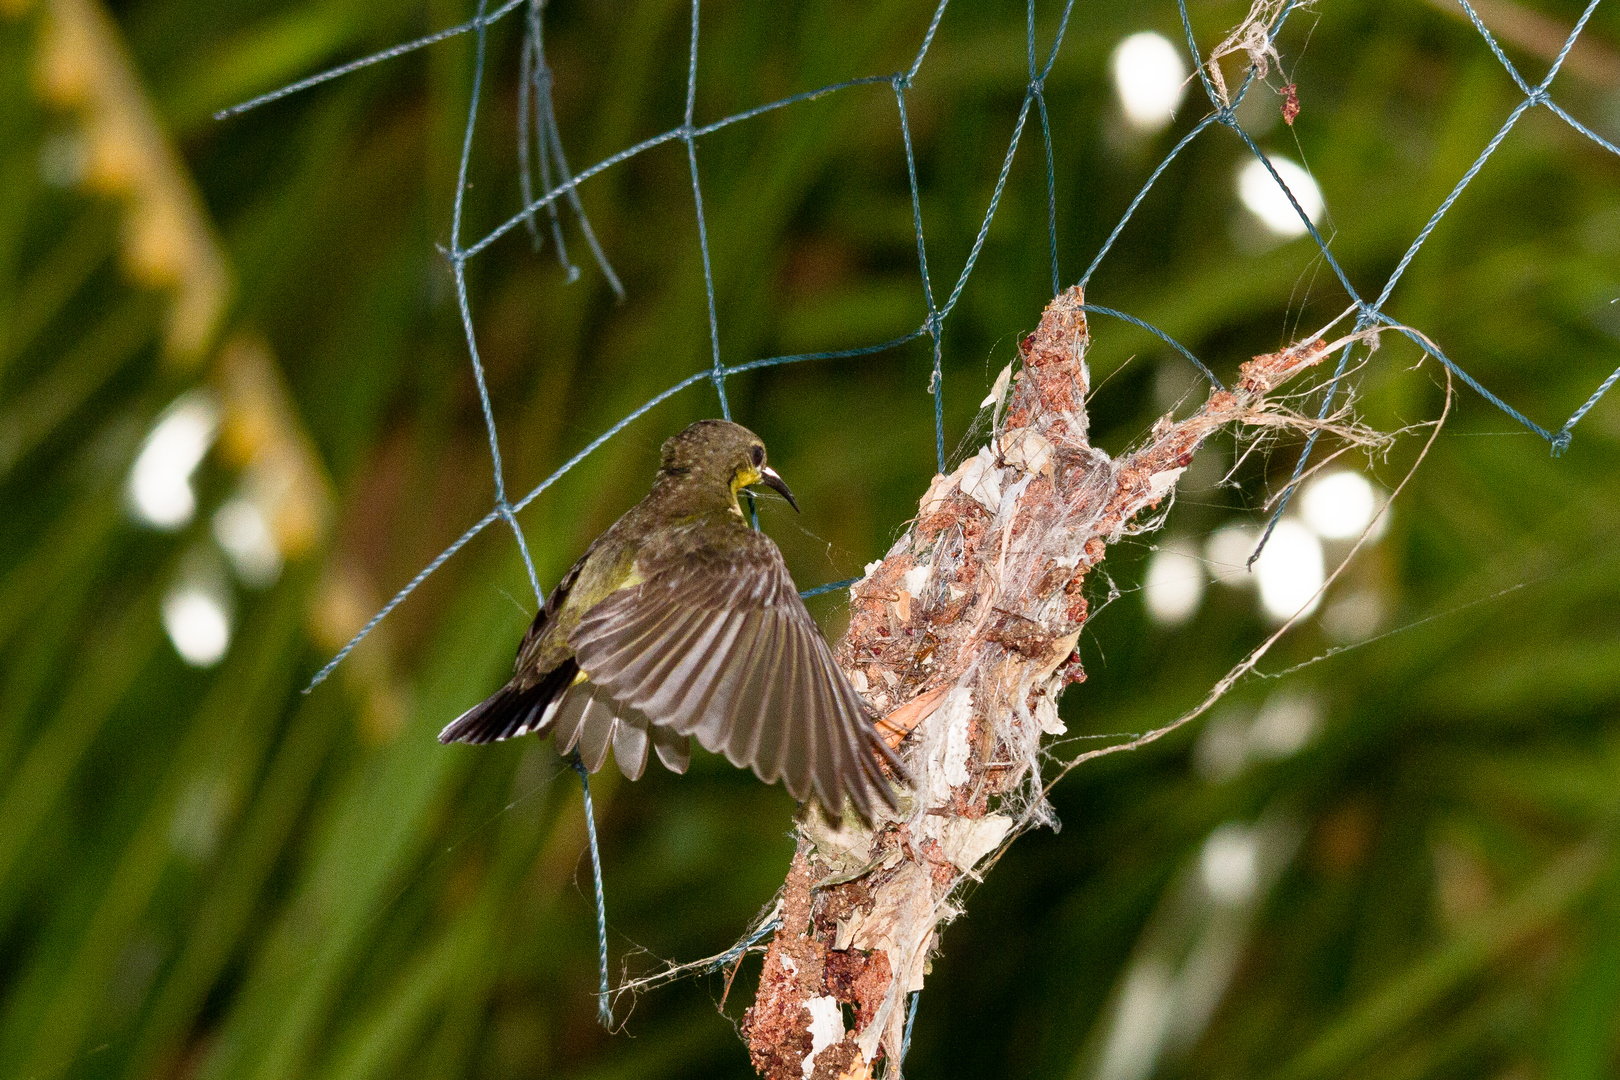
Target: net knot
932,324
1539,96
1037,84
902,81
1560,443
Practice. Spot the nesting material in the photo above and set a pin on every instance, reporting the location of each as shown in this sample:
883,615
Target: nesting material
966,670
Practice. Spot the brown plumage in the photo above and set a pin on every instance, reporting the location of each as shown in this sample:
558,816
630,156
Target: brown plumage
681,621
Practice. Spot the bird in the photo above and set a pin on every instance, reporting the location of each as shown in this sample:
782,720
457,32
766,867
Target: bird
681,621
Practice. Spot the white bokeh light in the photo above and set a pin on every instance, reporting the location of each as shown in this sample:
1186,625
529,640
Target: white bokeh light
1262,197
196,616
1283,726
1227,552
1230,864
1356,617
160,480
1150,77
242,531
1173,584
1341,504
1140,1018
1290,570
1222,750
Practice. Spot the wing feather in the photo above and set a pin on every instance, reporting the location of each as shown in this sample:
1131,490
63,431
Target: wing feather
826,732
675,751
569,719
596,726
760,735
797,717
639,645
722,705
693,658
630,748
708,667
844,740
752,738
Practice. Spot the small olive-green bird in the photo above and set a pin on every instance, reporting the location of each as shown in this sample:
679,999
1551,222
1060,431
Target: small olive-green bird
681,621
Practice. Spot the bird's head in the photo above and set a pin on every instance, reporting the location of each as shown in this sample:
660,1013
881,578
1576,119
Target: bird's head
720,457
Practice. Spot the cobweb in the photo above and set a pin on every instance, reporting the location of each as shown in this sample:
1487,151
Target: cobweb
542,158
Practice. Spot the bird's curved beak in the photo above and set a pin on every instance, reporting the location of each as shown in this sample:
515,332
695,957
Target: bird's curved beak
770,478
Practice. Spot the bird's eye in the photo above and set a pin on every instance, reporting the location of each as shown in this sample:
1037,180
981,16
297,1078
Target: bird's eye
758,454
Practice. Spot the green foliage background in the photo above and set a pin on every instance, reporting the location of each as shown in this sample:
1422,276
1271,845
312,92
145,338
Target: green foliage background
366,903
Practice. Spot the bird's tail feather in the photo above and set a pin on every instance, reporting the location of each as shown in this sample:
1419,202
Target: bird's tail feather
512,711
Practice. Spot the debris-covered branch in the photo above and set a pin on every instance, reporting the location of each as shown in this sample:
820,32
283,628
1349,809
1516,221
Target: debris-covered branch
963,638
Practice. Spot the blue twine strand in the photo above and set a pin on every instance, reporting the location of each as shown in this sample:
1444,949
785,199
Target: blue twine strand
604,1011
911,1019
389,53
831,586
1162,336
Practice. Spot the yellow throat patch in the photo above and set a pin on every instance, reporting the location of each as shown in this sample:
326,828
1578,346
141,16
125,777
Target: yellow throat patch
746,475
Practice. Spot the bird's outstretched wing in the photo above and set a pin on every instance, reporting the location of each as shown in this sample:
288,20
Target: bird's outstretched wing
721,647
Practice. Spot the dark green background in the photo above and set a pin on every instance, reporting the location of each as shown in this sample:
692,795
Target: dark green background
377,905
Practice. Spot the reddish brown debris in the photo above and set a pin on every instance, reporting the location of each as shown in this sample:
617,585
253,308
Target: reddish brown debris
860,979
841,1061
777,1026
1290,106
